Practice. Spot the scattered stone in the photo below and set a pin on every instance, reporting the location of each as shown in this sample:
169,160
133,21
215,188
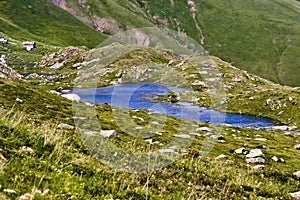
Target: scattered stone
149,141
255,153
72,97
195,134
9,191
167,151
213,136
54,92
260,139
222,156
297,146
281,160
255,160
295,195
65,126
2,160
240,150
157,142
282,128
206,129
26,149
275,158
108,133
292,128
258,167
184,136
297,173
26,196
19,100
155,123
285,128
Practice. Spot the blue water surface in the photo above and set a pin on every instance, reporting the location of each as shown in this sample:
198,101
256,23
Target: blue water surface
133,96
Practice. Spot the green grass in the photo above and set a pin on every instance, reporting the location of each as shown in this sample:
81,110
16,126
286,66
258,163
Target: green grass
46,24
64,161
261,37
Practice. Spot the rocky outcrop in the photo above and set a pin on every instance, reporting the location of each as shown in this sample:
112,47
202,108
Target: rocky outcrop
8,73
64,58
84,14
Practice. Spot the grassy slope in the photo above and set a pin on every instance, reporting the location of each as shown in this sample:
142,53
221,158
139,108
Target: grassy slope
45,23
59,161
261,37
61,164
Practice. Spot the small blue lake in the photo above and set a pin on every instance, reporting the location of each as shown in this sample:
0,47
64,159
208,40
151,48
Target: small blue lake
40,75
132,96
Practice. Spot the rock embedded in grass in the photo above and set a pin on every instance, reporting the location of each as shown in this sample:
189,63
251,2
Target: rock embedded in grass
222,156
183,136
297,146
297,173
108,133
258,167
295,195
65,126
254,153
255,160
72,97
240,150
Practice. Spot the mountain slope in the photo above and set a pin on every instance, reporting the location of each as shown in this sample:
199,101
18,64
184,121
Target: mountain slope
45,23
261,37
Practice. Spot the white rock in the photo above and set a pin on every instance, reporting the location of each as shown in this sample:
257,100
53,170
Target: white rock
255,153
26,196
72,97
240,150
282,128
149,141
255,160
256,167
184,136
297,146
222,156
65,126
108,133
206,129
9,191
54,92
297,173
275,158
167,151
26,149
260,139
66,91
19,100
295,195
292,128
